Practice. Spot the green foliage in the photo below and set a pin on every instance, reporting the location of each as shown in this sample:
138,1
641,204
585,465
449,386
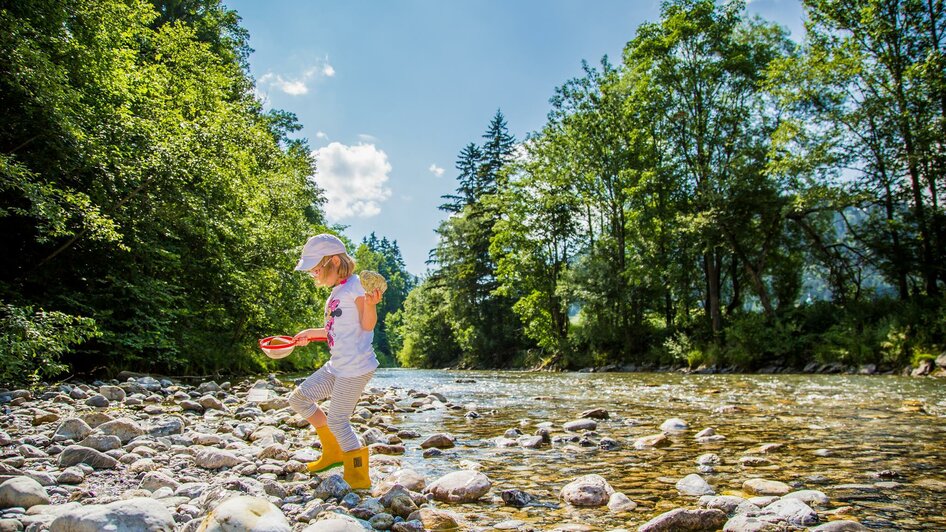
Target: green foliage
33,342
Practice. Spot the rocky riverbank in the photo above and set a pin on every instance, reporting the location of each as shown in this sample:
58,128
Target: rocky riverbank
149,454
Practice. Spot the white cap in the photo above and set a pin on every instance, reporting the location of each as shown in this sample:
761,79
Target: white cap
317,248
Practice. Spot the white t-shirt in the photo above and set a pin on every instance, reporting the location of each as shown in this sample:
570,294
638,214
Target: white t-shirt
350,345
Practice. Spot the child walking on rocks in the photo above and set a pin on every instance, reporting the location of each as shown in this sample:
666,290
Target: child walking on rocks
350,317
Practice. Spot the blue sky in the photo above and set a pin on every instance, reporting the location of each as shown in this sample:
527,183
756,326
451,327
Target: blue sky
389,92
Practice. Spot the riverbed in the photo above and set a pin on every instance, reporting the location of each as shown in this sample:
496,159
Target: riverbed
872,444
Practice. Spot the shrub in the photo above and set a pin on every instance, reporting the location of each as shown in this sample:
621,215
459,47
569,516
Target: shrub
32,342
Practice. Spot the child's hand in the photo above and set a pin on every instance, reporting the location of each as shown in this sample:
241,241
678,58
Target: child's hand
373,298
302,339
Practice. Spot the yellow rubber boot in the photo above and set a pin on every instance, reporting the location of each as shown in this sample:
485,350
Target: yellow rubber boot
331,452
356,468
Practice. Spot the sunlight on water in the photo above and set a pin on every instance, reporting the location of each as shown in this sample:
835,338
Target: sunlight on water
871,443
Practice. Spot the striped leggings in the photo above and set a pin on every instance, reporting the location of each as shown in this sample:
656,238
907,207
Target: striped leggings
344,393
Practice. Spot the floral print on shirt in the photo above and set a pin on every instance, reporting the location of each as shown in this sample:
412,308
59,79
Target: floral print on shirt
331,312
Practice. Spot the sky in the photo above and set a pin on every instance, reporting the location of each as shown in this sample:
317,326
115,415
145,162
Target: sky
389,91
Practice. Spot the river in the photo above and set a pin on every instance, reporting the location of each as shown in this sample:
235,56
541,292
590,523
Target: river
870,443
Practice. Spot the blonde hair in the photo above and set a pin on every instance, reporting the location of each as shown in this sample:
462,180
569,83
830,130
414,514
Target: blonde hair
346,265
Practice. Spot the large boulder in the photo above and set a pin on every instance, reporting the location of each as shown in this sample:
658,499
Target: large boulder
245,514
138,513
459,486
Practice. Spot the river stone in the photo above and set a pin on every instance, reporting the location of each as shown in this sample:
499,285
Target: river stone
154,480
212,458
112,393
125,428
459,486
708,459
685,520
530,442
580,425
809,497
41,416
595,413
276,403
275,451
674,424
694,484
97,401
101,442
341,523
138,513
76,454
71,475
332,487
399,501
440,441
96,418
209,402
839,526
651,442
22,492
434,519
794,511
167,427
760,486
245,513
587,490
408,478
267,436
73,429
619,502
726,503
750,523
191,406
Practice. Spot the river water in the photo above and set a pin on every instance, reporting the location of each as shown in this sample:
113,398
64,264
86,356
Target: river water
873,444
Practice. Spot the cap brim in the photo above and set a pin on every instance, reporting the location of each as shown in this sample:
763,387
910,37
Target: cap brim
307,263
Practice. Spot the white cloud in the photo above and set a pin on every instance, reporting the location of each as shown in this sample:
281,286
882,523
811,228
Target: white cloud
296,85
321,135
353,178
436,170
367,139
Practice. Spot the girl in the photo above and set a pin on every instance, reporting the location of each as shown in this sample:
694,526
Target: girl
350,317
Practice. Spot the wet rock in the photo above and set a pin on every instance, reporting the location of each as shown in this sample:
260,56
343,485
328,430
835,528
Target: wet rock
839,526
810,497
751,523
619,502
726,503
694,485
587,490
595,413
75,454
759,486
674,424
794,511
409,478
754,461
530,442
708,459
434,519
653,441
72,429
685,520
245,514
765,448
22,492
440,441
580,425
137,513
459,486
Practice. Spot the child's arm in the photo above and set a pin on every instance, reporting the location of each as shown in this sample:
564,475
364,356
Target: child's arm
367,311
309,335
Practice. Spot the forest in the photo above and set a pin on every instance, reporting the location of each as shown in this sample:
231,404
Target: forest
721,197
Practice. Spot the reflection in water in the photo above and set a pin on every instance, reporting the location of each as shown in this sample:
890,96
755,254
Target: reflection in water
868,442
